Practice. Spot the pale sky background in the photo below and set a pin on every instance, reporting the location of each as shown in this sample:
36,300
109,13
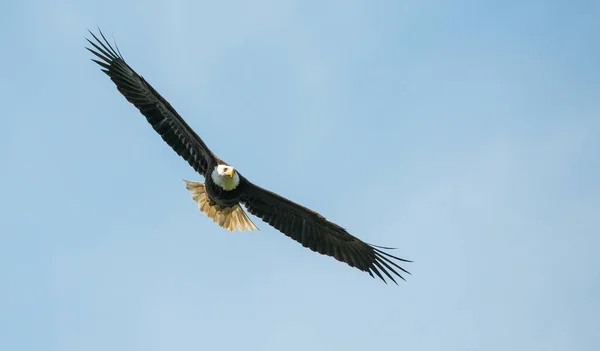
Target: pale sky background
464,133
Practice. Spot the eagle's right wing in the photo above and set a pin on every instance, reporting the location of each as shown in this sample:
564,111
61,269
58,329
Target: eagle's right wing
159,113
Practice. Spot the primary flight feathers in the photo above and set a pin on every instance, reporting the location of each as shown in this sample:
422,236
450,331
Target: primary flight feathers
225,189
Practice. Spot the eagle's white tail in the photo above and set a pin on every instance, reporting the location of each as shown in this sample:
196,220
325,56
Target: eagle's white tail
229,218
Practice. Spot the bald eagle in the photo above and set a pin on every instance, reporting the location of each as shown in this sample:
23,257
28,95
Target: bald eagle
225,190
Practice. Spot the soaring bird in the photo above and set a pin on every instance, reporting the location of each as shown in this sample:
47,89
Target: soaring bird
225,190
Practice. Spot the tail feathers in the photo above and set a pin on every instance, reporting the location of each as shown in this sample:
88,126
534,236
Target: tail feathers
229,218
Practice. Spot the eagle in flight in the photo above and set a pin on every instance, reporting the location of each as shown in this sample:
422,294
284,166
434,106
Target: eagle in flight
225,190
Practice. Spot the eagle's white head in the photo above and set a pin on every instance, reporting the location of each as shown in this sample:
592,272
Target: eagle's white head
226,177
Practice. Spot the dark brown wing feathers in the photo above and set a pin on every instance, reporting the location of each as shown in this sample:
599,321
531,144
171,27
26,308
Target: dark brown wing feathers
159,113
299,223
319,234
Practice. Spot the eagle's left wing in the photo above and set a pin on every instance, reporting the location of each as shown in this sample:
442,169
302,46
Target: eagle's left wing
317,233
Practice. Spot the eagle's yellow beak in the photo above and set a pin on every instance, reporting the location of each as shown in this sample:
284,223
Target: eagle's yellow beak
229,172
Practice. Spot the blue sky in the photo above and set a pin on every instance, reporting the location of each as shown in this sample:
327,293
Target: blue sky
465,134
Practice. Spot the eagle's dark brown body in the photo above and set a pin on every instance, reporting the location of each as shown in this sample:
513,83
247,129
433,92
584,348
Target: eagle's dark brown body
225,198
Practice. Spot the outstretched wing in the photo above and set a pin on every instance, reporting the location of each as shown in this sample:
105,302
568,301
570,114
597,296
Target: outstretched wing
159,113
318,234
